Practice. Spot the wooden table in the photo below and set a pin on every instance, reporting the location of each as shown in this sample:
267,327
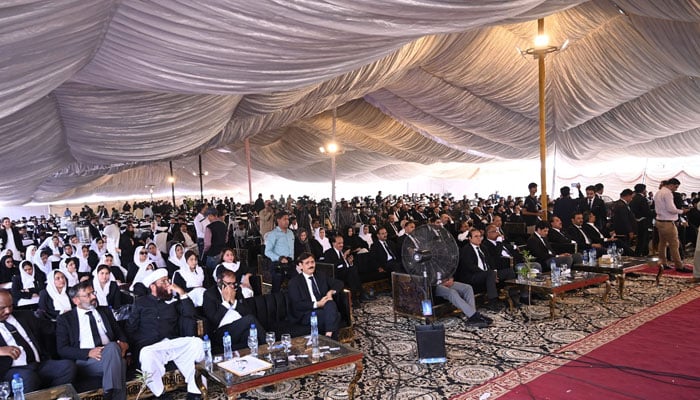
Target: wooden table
66,391
628,265
578,280
295,369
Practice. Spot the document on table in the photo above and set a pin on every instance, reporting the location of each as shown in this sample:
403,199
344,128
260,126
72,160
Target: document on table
247,365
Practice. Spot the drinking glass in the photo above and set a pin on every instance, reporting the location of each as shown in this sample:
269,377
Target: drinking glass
620,252
564,270
287,342
270,340
4,390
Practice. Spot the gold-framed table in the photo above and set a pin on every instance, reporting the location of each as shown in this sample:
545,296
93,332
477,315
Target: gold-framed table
554,291
620,270
335,354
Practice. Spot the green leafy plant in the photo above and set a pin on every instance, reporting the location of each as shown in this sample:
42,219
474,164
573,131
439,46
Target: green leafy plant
143,378
527,268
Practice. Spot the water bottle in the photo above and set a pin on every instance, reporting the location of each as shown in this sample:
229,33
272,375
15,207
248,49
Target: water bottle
592,257
315,352
228,352
253,340
208,362
17,387
556,272
585,257
439,278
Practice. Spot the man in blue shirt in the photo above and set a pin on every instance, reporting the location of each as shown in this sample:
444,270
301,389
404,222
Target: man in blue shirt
279,247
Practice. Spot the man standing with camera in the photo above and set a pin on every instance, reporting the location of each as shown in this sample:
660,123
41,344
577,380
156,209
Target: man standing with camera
279,247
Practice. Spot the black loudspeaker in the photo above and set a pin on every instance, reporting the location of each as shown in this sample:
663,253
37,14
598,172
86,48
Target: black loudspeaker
431,344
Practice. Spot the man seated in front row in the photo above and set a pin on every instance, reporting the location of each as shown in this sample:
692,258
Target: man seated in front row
90,336
309,292
21,352
225,312
164,331
542,250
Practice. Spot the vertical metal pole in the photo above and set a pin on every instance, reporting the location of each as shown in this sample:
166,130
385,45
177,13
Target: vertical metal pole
247,159
201,184
333,221
172,183
543,138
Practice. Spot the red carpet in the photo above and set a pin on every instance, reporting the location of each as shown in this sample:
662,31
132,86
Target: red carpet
650,355
671,273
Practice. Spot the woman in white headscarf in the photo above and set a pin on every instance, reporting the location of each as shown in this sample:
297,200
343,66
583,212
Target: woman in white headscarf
117,272
82,254
42,261
155,256
27,285
141,274
112,235
320,236
366,235
190,277
106,290
54,300
97,250
229,260
70,271
140,261
176,258
30,253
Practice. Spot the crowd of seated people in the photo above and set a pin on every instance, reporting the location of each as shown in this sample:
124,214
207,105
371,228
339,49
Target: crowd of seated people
191,251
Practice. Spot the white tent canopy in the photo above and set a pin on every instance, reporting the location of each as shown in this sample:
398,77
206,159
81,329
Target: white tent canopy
96,97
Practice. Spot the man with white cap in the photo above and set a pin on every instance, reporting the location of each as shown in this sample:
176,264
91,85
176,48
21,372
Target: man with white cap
162,327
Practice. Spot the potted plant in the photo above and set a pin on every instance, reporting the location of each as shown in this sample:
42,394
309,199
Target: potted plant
526,271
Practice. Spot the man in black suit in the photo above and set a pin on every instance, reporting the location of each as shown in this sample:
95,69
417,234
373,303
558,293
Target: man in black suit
21,351
623,221
474,268
594,204
383,258
90,336
309,292
344,269
11,239
643,215
565,206
225,312
540,248
561,243
577,232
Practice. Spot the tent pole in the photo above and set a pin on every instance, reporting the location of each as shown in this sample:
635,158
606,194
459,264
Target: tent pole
172,183
247,159
543,140
201,184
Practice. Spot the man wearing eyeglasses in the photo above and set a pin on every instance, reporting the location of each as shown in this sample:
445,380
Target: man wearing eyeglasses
225,312
163,329
91,336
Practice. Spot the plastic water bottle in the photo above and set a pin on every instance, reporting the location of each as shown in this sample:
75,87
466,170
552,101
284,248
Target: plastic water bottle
208,362
556,272
439,278
228,352
585,258
17,387
253,340
315,351
592,257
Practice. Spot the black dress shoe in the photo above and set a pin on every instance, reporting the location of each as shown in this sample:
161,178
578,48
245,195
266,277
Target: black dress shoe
476,321
366,297
107,395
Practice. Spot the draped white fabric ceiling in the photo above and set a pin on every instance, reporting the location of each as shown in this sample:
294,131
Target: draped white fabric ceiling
97,96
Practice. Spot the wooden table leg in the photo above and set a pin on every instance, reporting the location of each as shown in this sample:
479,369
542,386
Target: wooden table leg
658,275
200,384
552,305
621,285
607,291
506,292
355,379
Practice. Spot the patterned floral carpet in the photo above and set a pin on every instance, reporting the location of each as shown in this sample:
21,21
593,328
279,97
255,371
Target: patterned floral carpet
392,371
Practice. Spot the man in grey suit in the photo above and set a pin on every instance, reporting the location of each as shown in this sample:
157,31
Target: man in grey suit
90,335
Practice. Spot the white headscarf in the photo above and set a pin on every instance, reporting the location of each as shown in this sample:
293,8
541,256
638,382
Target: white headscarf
44,267
61,302
172,257
28,256
96,249
368,237
100,292
71,277
325,243
143,268
194,278
27,280
157,259
84,265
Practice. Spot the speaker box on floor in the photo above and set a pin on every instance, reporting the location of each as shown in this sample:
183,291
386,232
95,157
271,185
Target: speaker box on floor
431,343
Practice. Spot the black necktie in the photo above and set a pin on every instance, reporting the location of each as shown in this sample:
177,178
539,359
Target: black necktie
388,250
482,258
20,341
314,286
93,328
340,255
590,204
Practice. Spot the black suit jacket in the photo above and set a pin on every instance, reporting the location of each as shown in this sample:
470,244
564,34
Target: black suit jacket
494,252
18,286
560,242
469,263
575,234
299,297
35,329
378,256
68,333
331,257
17,237
214,310
541,251
623,219
598,209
